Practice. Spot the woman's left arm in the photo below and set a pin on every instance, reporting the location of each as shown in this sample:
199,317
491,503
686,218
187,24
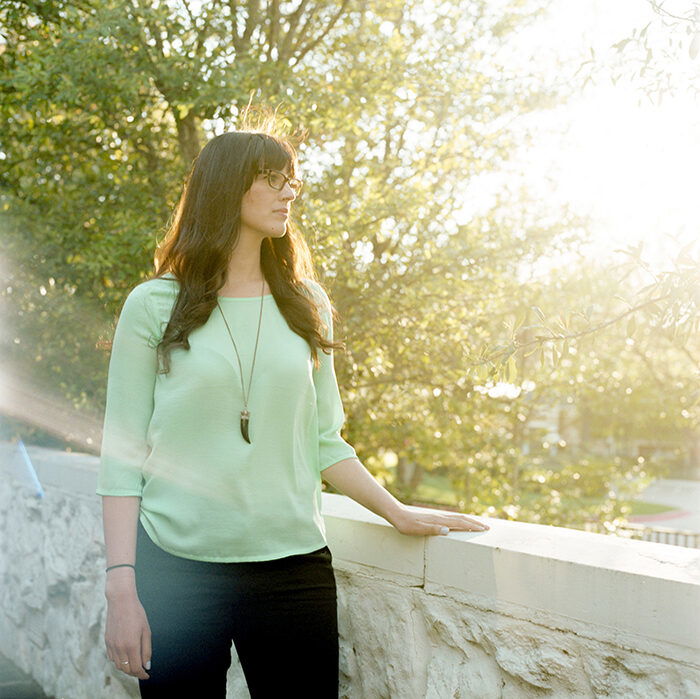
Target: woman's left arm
339,465
351,478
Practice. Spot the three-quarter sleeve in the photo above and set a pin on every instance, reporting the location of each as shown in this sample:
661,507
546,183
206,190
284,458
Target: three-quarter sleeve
331,416
129,403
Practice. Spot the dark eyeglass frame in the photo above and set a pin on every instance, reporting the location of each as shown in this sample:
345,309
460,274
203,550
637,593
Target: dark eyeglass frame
294,182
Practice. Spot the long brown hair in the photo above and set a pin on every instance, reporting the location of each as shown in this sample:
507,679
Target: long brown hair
205,227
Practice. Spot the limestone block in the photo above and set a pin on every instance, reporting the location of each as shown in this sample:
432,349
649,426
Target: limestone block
66,537
383,659
625,673
236,686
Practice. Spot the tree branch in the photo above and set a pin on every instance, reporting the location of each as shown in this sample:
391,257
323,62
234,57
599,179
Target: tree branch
235,36
312,44
274,25
251,22
293,19
588,331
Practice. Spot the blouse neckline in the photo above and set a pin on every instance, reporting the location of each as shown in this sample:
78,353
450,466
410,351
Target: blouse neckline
169,275
242,298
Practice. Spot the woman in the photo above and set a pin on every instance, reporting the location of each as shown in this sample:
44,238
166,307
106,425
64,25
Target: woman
222,415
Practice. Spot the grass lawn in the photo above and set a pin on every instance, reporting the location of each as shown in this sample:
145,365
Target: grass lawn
436,488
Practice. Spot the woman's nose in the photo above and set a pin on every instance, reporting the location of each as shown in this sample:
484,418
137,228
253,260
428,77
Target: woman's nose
288,192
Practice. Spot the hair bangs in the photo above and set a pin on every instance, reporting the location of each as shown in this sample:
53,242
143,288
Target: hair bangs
275,155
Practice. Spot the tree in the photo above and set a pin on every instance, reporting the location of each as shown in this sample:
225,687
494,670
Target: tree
106,104
659,57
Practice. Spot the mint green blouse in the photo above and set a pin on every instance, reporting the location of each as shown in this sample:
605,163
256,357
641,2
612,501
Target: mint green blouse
175,440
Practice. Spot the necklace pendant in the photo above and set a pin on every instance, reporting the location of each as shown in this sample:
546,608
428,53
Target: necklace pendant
245,419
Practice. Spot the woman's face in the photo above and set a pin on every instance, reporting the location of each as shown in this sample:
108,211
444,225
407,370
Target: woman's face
262,207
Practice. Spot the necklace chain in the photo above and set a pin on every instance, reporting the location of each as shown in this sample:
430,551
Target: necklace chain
245,413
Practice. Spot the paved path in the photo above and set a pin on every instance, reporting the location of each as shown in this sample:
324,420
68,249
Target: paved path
14,684
681,494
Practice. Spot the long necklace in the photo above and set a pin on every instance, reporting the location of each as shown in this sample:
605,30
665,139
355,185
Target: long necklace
245,413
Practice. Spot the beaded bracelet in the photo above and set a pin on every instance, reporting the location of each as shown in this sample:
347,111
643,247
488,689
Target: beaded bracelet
119,565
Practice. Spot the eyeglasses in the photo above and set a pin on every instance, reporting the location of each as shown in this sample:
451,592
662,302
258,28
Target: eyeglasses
277,180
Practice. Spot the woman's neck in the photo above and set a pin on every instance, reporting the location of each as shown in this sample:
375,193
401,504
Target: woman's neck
244,264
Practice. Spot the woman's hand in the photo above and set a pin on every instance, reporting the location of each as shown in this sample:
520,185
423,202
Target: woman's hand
128,635
425,523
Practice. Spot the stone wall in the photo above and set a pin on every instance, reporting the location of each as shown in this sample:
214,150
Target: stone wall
522,610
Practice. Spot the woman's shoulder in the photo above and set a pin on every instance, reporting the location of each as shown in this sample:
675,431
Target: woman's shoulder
157,294
166,283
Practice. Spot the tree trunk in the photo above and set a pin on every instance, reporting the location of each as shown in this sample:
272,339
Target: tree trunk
188,136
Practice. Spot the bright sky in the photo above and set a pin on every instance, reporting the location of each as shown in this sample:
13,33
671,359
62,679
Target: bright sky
633,168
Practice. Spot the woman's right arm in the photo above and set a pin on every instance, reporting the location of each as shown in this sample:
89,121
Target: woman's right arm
127,633
128,411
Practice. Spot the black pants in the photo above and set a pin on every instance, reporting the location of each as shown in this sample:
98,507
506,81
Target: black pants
281,615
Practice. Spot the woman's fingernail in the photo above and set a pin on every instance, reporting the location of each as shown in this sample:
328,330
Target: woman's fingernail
148,665
444,530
